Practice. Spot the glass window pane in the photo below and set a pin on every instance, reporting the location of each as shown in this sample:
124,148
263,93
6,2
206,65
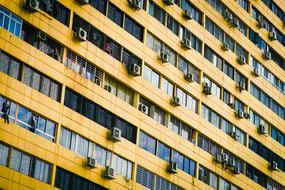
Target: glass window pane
4,152
16,160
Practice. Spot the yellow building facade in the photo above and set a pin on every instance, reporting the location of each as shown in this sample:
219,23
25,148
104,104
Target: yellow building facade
142,94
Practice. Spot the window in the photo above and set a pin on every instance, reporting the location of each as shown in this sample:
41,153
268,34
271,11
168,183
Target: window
36,124
115,14
10,22
163,151
156,12
30,166
196,13
196,43
112,48
267,100
187,100
30,120
238,105
4,152
208,177
185,164
181,129
10,66
100,5
85,147
133,28
145,177
102,116
48,46
154,111
84,68
172,24
151,76
266,153
119,89
167,87
215,89
56,10
103,156
148,143
227,97
244,4
153,181
42,171
260,178
122,166
66,180
41,83
186,67
154,43
265,73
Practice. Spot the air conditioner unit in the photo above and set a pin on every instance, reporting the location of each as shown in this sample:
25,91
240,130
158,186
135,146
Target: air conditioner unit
116,134
143,108
187,14
228,15
91,162
218,158
225,157
272,35
234,135
241,85
32,5
232,162
41,35
136,4
267,55
98,81
235,22
173,167
262,129
239,114
186,43
232,105
261,23
135,69
235,170
169,2
207,89
83,1
189,77
241,60
274,166
176,101
108,88
225,46
256,71
80,34
109,173
245,115
164,57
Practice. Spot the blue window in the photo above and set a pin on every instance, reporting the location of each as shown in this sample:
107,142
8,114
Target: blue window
147,143
163,152
10,22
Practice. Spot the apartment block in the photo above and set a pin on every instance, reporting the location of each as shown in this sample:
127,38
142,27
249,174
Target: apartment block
142,94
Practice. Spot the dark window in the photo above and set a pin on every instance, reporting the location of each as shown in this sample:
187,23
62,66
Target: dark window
66,180
102,116
172,24
100,5
115,14
57,10
10,66
133,28
157,12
